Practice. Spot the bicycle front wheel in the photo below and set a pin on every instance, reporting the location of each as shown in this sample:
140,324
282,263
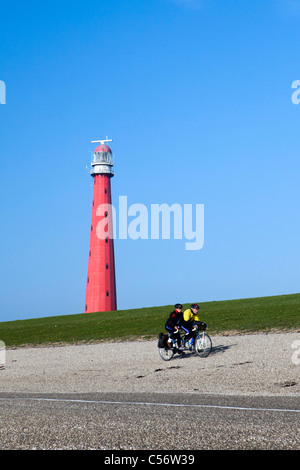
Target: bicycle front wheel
166,353
203,345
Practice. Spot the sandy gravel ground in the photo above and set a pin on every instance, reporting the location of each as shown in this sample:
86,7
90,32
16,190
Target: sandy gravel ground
257,364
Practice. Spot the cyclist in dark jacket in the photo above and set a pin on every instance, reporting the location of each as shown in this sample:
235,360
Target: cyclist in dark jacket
173,324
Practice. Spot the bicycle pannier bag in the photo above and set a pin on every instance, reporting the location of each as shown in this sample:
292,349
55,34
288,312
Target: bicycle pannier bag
162,340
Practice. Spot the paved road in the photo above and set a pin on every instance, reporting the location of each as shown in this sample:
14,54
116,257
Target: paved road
148,421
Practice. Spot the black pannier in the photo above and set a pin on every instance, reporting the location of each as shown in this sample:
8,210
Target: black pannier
162,340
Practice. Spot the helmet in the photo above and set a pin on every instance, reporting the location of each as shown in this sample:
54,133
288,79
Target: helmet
195,306
178,306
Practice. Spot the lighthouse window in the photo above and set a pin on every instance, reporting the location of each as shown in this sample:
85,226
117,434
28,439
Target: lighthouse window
105,191
106,214
106,265
107,293
88,280
90,253
106,240
91,227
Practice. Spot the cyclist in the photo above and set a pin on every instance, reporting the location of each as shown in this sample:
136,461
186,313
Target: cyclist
175,321
190,320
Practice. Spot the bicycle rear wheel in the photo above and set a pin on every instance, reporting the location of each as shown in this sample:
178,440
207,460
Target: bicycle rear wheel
166,353
203,344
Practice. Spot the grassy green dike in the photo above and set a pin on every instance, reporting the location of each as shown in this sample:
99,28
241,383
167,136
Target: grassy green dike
263,314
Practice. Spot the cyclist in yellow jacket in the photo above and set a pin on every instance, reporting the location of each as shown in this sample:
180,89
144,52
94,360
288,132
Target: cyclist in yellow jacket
190,317
191,314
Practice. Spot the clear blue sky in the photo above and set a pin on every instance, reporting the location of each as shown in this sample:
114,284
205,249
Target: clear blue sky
196,96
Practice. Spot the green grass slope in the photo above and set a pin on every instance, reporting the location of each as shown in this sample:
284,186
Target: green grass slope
280,313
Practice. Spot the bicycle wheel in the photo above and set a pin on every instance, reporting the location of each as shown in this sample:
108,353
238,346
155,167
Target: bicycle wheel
203,344
166,353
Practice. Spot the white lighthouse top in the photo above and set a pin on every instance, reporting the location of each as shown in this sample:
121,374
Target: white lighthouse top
102,162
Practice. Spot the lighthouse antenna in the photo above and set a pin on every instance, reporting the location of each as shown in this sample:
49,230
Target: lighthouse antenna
101,141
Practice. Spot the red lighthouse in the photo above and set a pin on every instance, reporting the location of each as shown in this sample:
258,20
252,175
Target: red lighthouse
101,282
